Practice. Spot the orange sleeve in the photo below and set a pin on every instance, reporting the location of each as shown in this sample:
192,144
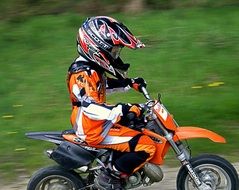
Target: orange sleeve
89,84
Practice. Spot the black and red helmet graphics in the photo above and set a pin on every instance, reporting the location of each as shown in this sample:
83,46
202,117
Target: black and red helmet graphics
97,37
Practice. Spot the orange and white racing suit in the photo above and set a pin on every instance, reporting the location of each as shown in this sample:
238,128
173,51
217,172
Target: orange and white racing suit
97,123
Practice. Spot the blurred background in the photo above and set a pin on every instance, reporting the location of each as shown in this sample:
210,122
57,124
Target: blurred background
191,58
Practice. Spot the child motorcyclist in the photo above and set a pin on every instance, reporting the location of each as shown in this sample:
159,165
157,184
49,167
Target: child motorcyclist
99,42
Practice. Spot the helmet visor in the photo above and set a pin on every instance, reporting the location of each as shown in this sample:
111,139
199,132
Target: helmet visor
115,52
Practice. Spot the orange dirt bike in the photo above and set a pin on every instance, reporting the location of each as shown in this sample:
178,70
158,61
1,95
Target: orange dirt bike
79,164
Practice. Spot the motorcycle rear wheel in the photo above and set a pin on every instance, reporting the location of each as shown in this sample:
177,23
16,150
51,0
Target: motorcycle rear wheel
213,170
55,178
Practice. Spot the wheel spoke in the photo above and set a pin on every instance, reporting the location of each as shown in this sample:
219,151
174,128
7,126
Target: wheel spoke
55,182
44,185
214,172
211,175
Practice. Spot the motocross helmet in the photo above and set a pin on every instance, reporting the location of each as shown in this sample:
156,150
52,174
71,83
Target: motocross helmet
100,40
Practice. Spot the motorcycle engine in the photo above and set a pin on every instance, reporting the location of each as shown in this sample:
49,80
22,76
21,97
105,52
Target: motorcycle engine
153,172
149,174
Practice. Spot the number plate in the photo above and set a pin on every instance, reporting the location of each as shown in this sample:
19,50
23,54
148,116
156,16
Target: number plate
161,111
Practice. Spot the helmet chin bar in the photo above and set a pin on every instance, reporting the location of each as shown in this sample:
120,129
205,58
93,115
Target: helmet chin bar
123,74
121,68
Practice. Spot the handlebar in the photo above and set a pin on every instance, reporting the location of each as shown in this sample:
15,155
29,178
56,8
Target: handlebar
145,93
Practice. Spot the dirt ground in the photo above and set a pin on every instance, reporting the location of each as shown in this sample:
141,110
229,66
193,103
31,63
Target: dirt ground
168,183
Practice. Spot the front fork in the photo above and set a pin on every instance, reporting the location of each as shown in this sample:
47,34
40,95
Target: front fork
183,156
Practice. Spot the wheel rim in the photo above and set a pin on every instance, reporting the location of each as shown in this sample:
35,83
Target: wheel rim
55,182
212,175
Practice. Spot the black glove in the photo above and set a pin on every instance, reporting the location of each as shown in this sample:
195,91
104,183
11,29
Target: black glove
138,83
130,112
132,108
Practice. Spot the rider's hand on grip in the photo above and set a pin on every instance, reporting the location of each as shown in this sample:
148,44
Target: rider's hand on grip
131,116
138,83
130,112
136,109
135,122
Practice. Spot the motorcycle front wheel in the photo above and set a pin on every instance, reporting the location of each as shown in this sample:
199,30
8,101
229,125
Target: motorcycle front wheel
55,178
214,171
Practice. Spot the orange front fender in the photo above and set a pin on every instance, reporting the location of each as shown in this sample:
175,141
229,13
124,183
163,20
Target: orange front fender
183,133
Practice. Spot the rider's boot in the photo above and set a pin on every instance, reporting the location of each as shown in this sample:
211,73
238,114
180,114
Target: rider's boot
108,180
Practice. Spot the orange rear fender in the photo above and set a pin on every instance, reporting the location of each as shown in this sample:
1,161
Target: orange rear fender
189,132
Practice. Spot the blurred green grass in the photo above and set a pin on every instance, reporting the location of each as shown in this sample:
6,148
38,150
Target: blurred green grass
184,48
